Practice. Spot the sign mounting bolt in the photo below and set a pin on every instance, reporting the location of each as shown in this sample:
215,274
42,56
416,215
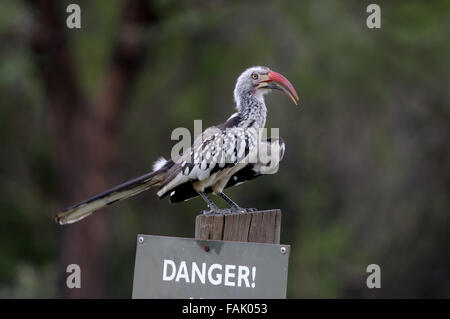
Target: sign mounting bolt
283,250
140,239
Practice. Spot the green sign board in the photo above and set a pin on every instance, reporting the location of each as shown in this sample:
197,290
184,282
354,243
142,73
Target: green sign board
170,267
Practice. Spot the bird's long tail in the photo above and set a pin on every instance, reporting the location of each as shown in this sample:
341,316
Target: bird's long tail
133,187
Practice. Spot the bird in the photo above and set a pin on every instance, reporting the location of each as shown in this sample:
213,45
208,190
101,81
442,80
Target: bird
221,156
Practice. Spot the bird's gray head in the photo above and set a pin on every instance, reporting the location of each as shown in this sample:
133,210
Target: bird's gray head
256,81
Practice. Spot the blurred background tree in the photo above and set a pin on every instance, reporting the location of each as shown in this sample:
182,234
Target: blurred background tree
366,177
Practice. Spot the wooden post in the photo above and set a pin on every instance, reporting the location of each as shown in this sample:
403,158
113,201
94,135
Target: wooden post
258,227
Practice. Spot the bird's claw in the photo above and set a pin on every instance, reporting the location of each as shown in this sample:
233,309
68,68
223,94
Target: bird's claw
228,211
218,212
240,210
210,212
247,210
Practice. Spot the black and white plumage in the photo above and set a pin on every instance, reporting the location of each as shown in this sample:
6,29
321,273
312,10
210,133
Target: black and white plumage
269,165
222,156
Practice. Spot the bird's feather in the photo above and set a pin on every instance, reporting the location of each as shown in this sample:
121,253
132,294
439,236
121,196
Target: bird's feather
216,150
118,193
251,171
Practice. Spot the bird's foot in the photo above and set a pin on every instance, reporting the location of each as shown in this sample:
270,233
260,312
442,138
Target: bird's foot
227,211
218,211
240,210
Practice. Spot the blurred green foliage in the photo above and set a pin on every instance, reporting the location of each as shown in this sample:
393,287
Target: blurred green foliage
366,176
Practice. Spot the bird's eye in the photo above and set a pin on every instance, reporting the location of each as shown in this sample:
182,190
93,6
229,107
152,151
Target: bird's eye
255,76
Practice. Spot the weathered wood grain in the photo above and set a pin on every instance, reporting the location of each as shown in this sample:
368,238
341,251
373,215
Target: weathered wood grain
258,227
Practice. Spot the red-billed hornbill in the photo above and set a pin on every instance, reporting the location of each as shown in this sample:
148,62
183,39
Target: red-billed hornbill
222,156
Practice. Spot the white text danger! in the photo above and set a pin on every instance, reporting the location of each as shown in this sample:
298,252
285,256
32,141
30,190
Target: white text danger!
215,274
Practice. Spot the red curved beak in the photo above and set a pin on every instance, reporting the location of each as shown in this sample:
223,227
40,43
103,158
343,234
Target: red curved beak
283,84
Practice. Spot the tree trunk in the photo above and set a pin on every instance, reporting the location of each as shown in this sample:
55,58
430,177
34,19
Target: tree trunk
85,132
